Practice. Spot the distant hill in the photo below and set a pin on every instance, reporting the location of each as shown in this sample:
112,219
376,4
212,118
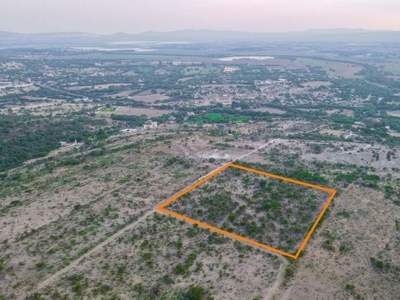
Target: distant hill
314,35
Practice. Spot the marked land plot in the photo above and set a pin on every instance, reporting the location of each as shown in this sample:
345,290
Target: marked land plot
269,211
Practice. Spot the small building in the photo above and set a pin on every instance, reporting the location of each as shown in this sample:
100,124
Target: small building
66,144
150,124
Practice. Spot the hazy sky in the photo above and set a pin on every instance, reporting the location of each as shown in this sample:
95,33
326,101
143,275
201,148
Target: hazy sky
133,16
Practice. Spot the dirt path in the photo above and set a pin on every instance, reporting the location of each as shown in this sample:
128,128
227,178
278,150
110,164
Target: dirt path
315,129
259,148
270,295
75,263
79,260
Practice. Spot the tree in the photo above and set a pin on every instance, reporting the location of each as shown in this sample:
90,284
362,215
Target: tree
194,293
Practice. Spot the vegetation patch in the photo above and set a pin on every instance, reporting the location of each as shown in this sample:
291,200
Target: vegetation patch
254,206
219,118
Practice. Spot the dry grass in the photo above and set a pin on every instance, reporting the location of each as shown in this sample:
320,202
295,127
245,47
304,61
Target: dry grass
44,108
62,214
53,215
347,112
396,134
395,113
337,262
333,69
150,98
333,132
271,110
163,257
270,211
137,111
97,87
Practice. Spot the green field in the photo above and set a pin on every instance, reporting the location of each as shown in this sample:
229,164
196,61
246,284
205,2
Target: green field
107,109
219,118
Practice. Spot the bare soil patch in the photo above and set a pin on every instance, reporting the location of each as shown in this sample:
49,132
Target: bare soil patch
138,111
64,213
271,110
96,87
150,98
347,112
395,113
396,134
314,84
339,263
231,69
185,79
161,258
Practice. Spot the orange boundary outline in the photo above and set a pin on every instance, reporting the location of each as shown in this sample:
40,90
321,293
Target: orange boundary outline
161,208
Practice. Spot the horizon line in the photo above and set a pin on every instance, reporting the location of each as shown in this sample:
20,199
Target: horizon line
200,30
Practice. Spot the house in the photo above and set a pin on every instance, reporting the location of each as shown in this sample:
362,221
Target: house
171,120
66,144
150,124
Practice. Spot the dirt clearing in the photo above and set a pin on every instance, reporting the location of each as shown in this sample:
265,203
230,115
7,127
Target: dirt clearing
138,111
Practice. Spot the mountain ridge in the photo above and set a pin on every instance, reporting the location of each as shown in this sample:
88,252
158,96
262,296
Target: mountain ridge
347,35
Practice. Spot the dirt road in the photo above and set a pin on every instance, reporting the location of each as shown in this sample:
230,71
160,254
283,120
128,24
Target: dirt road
259,148
270,295
75,263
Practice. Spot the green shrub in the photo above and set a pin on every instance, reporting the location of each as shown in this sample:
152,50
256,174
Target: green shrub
40,265
377,263
194,293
